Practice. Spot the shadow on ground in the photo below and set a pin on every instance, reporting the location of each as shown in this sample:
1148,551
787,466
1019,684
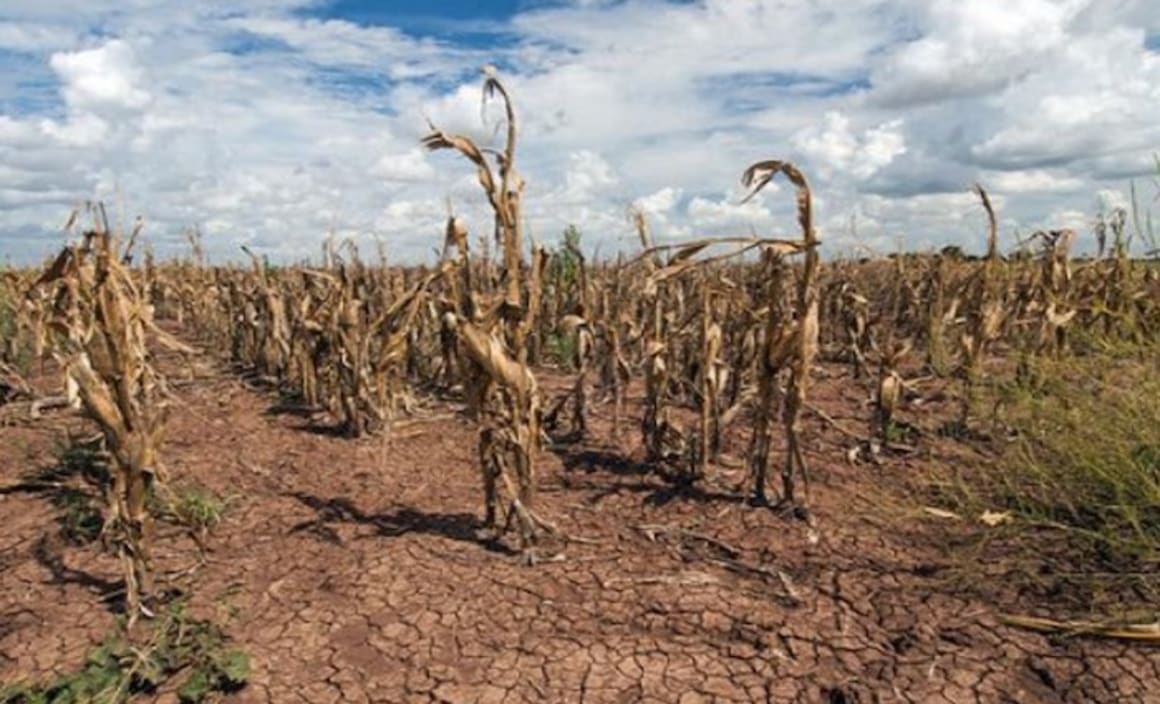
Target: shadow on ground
461,527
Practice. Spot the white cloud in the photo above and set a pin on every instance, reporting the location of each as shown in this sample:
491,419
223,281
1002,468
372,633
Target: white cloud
106,77
16,133
1067,219
1032,181
663,217
588,176
729,216
834,148
958,214
411,165
30,36
341,43
83,130
660,202
271,125
972,47
1099,96
1112,200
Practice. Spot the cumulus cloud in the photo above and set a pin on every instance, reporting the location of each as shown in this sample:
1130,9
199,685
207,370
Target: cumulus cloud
276,122
1098,97
729,216
588,176
926,217
834,148
662,214
411,165
660,202
32,36
107,77
1112,200
972,47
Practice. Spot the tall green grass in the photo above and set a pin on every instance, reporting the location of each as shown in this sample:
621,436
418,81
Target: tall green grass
1086,457
1077,482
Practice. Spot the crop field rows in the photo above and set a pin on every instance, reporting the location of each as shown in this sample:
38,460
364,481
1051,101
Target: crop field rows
720,470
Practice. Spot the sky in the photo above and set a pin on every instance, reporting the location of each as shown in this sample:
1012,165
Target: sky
273,123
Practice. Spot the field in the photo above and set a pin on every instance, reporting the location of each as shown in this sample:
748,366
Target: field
351,570
722,470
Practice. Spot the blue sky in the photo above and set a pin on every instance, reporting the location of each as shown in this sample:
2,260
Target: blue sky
471,24
421,17
275,122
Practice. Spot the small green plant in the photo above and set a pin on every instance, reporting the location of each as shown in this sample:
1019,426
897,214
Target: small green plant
561,347
198,509
565,263
190,654
897,432
84,459
957,429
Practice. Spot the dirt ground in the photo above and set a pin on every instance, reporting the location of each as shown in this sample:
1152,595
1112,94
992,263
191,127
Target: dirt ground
353,571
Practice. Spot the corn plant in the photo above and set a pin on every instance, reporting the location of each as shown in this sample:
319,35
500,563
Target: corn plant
501,388
99,326
797,349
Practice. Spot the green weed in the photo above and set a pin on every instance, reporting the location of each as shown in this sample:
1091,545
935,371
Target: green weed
188,654
196,508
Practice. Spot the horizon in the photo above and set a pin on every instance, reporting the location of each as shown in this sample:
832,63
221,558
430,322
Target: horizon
275,125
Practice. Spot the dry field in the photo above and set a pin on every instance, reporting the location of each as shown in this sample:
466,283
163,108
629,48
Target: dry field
719,471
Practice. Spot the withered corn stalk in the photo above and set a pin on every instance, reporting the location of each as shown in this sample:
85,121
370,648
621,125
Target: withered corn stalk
712,376
575,325
351,340
615,370
1055,290
695,355
501,390
774,353
853,311
890,387
655,421
785,347
99,325
21,330
985,313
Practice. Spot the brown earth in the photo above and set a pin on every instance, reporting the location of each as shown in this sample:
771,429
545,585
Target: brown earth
354,571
